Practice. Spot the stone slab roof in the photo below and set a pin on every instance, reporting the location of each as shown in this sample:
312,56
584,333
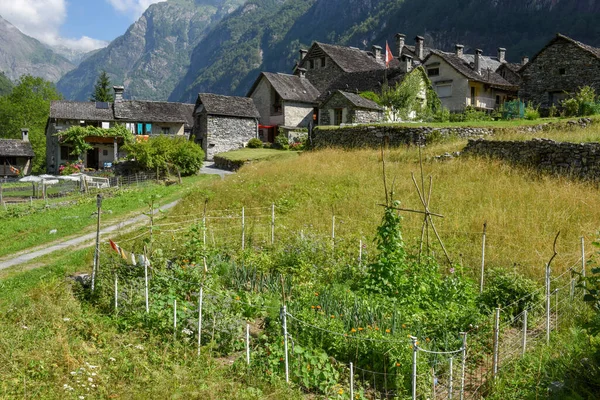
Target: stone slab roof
231,106
351,59
15,148
465,66
360,102
290,87
81,110
154,111
410,51
126,110
594,51
364,81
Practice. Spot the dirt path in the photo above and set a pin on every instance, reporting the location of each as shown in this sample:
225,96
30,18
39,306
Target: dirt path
87,239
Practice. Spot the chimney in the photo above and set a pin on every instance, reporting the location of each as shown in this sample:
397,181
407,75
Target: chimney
502,54
524,60
406,63
478,53
301,72
303,53
420,47
377,52
459,50
118,93
25,134
400,40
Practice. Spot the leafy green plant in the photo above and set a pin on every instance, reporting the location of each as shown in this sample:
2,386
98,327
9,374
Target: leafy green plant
510,291
532,112
282,141
75,136
255,143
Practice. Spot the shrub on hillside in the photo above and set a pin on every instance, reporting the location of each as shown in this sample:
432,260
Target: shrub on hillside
164,152
255,143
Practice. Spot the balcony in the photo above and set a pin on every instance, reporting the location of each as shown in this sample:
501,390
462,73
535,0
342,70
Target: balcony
486,103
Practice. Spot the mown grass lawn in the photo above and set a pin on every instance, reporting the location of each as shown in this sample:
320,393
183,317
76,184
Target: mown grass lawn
24,226
248,154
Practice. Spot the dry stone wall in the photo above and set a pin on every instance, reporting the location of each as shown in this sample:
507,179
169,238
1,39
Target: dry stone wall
581,160
365,136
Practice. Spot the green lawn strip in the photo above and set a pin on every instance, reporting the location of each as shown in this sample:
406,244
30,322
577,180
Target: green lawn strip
248,154
24,231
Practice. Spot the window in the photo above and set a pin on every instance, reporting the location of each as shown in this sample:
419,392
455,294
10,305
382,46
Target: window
497,100
322,62
105,125
444,90
562,71
166,131
65,153
473,92
105,152
337,116
143,128
311,64
433,71
276,108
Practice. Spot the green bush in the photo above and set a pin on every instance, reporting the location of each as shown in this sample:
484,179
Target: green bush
532,112
582,103
282,141
255,143
510,291
164,152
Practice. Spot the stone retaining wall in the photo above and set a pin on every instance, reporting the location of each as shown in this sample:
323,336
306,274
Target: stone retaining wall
579,160
361,136
372,136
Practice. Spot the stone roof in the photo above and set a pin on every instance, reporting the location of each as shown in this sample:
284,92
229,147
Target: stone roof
350,59
410,50
154,111
81,110
357,101
290,87
364,81
594,51
15,148
232,106
465,66
126,110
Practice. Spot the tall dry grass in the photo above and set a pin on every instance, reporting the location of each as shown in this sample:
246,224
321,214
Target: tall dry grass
523,210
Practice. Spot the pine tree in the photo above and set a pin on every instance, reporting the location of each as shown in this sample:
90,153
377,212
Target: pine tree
102,88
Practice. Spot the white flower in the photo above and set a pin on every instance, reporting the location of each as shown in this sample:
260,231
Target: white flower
73,373
93,385
93,374
112,359
24,327
139,347
91,366
187,331
66,319
81,397
90,379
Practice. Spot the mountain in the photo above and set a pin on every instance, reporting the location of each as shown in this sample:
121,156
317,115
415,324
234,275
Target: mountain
267,34
5,84
73,55
154,54
24,55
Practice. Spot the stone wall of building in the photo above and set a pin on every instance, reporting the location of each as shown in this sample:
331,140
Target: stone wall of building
297,114
362,136
350,113
228,133
581,160
561,67
367,116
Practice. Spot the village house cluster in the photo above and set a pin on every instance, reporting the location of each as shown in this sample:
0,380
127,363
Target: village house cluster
322,89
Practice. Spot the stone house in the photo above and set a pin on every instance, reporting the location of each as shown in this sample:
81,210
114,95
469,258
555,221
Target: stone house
345,108
224,123
16,155
143,118
283,101
462,80
560,68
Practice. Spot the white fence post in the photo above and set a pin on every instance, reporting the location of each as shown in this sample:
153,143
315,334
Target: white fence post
496,343
243,227
548,304
116,293
285,343
414,367
583,262
247,343
272,223
482,258
174,319
450,381
146,282
524,344
200,319
463,365
351,381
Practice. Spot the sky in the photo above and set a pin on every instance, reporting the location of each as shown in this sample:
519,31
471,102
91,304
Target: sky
82,25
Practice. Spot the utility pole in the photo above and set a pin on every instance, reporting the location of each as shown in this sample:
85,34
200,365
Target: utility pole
97,252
